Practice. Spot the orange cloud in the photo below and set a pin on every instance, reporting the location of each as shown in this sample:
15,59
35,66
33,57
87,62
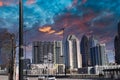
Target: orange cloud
51,31
1,3
30,2
45,29
60,32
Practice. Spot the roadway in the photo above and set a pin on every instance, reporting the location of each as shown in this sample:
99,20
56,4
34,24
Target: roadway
5,77
2,77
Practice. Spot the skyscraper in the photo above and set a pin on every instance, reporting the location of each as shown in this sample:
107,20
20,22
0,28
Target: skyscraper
58,49
98,55
35,52
43,50
117,45
74,56
104,57
93,41
85,51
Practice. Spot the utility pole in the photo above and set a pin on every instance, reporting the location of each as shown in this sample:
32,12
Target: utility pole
20,40
11,58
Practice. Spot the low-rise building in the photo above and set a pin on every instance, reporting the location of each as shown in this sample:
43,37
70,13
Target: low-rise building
107,71
43,69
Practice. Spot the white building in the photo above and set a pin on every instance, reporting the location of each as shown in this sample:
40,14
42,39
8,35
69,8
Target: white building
74,60
44,69
107,70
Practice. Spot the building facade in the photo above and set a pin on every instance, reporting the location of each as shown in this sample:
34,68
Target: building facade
117,45
41,51
74,56
26,63
98,55
47,51
85,51
58,49
93,41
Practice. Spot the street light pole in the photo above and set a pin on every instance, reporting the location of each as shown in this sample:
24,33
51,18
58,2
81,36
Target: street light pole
11,60
20,40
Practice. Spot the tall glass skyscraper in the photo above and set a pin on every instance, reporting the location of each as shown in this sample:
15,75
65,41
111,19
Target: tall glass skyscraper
92,44
92,41
85,51
117,45
98,55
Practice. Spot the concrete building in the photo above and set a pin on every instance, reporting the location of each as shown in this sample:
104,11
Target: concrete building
45,69
41,49
74,60
49,52
106,71
117,45
44,50
58,50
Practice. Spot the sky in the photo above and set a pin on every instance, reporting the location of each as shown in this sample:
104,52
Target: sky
45,19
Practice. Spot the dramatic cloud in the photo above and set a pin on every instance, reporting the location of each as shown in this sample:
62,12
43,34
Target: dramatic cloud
46,18
45,29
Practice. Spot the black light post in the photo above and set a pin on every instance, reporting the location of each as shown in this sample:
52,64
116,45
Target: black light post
12,54
11,59
20,40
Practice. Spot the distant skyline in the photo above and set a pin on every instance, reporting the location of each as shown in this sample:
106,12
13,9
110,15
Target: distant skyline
46,18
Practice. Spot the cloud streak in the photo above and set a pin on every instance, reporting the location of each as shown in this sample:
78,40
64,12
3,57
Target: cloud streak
1,3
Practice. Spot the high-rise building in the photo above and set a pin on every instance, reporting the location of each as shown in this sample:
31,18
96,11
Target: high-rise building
93,41
85,51
103,58
41,51
58,49
117,45
74,60
44,51
98,55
